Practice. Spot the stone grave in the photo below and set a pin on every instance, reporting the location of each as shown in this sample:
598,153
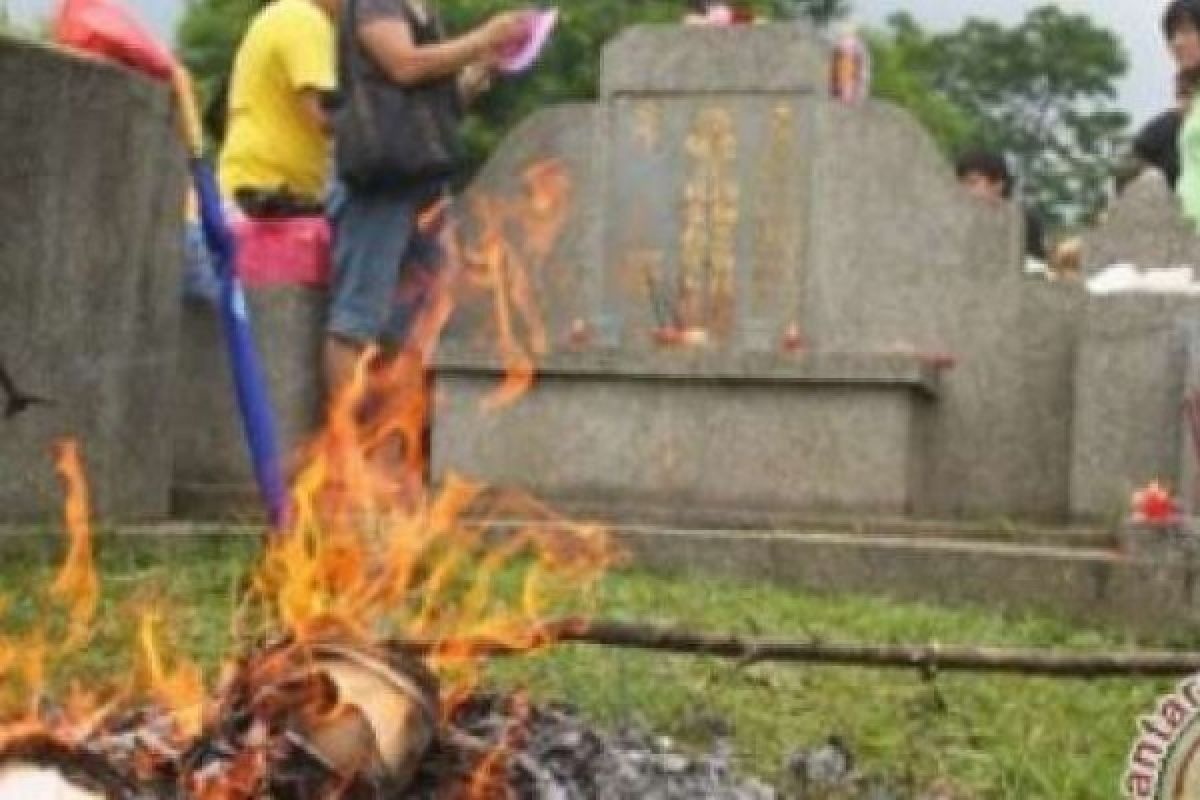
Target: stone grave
1136,361
92,184
872,345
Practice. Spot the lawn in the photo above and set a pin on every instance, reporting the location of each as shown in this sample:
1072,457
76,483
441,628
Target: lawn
987,736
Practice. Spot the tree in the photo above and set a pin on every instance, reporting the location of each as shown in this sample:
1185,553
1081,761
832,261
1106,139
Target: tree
1043,91
900,75
208,37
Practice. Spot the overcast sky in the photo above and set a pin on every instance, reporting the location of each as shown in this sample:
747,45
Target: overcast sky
1145,91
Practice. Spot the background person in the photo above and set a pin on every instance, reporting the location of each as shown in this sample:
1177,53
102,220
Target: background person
399,45
276,155
985,175
1156,145
1189,145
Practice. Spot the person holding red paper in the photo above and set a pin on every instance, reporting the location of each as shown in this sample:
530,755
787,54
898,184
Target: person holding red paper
392,53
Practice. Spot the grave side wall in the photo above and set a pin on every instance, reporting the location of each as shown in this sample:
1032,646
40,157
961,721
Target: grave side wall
901,258
92,181
1134,356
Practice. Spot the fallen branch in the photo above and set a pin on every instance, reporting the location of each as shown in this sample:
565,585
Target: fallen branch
929,658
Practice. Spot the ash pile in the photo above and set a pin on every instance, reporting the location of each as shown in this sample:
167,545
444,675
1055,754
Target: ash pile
333,720
556,755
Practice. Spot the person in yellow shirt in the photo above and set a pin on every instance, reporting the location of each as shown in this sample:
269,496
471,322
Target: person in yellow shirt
277,150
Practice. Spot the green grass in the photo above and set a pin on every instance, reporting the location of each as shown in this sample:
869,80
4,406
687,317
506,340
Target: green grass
1002,737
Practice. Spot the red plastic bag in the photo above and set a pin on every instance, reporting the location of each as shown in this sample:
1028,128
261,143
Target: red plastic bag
106,28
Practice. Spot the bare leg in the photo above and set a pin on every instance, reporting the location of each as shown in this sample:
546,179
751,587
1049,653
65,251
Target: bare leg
341,359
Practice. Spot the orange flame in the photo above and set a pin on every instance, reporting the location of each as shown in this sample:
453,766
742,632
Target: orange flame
368,551
534,222
179,690
77,587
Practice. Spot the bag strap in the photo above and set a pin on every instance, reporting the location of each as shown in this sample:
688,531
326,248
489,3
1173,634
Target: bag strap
351,46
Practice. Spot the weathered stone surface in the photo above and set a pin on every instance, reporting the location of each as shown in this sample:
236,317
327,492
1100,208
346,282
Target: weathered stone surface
92,182
212,465
849,436
670,58
1174,542
1128,425
1145,227
1188,486
564,288
902,257
844,370
715,185
1092,587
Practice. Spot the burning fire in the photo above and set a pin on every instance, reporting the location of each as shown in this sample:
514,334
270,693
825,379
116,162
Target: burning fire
503,268
374,608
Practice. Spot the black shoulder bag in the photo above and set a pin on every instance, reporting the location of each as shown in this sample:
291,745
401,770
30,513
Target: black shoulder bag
387,135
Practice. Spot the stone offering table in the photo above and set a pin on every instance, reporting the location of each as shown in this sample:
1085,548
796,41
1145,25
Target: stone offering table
709,432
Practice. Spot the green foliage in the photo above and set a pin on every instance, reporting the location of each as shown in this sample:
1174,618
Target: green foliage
899,76
208,37
1043,91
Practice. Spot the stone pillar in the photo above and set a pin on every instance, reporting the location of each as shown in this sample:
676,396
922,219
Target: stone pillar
213,474
92,182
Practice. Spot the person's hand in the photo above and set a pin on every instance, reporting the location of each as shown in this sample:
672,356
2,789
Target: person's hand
474,80
504,33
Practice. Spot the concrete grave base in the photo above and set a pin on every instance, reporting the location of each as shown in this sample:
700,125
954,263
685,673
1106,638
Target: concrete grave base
212,472
749,431
1096,587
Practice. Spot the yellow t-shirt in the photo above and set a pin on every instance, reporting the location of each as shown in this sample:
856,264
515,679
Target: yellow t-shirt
272,141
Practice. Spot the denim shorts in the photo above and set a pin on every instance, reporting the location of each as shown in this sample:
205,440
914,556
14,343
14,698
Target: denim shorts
382,264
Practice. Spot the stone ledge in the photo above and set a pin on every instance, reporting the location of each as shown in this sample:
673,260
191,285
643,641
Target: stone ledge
810,369
1092,587
647,520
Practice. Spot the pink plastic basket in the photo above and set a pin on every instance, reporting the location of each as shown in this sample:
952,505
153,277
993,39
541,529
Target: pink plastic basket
274,252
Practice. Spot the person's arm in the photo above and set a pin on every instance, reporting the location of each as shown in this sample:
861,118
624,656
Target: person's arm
313,103
308,57
390,44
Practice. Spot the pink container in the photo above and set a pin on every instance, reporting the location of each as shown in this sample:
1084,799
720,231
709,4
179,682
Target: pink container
283,251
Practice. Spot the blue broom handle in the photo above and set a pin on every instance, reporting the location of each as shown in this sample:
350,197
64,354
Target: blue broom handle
250,386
